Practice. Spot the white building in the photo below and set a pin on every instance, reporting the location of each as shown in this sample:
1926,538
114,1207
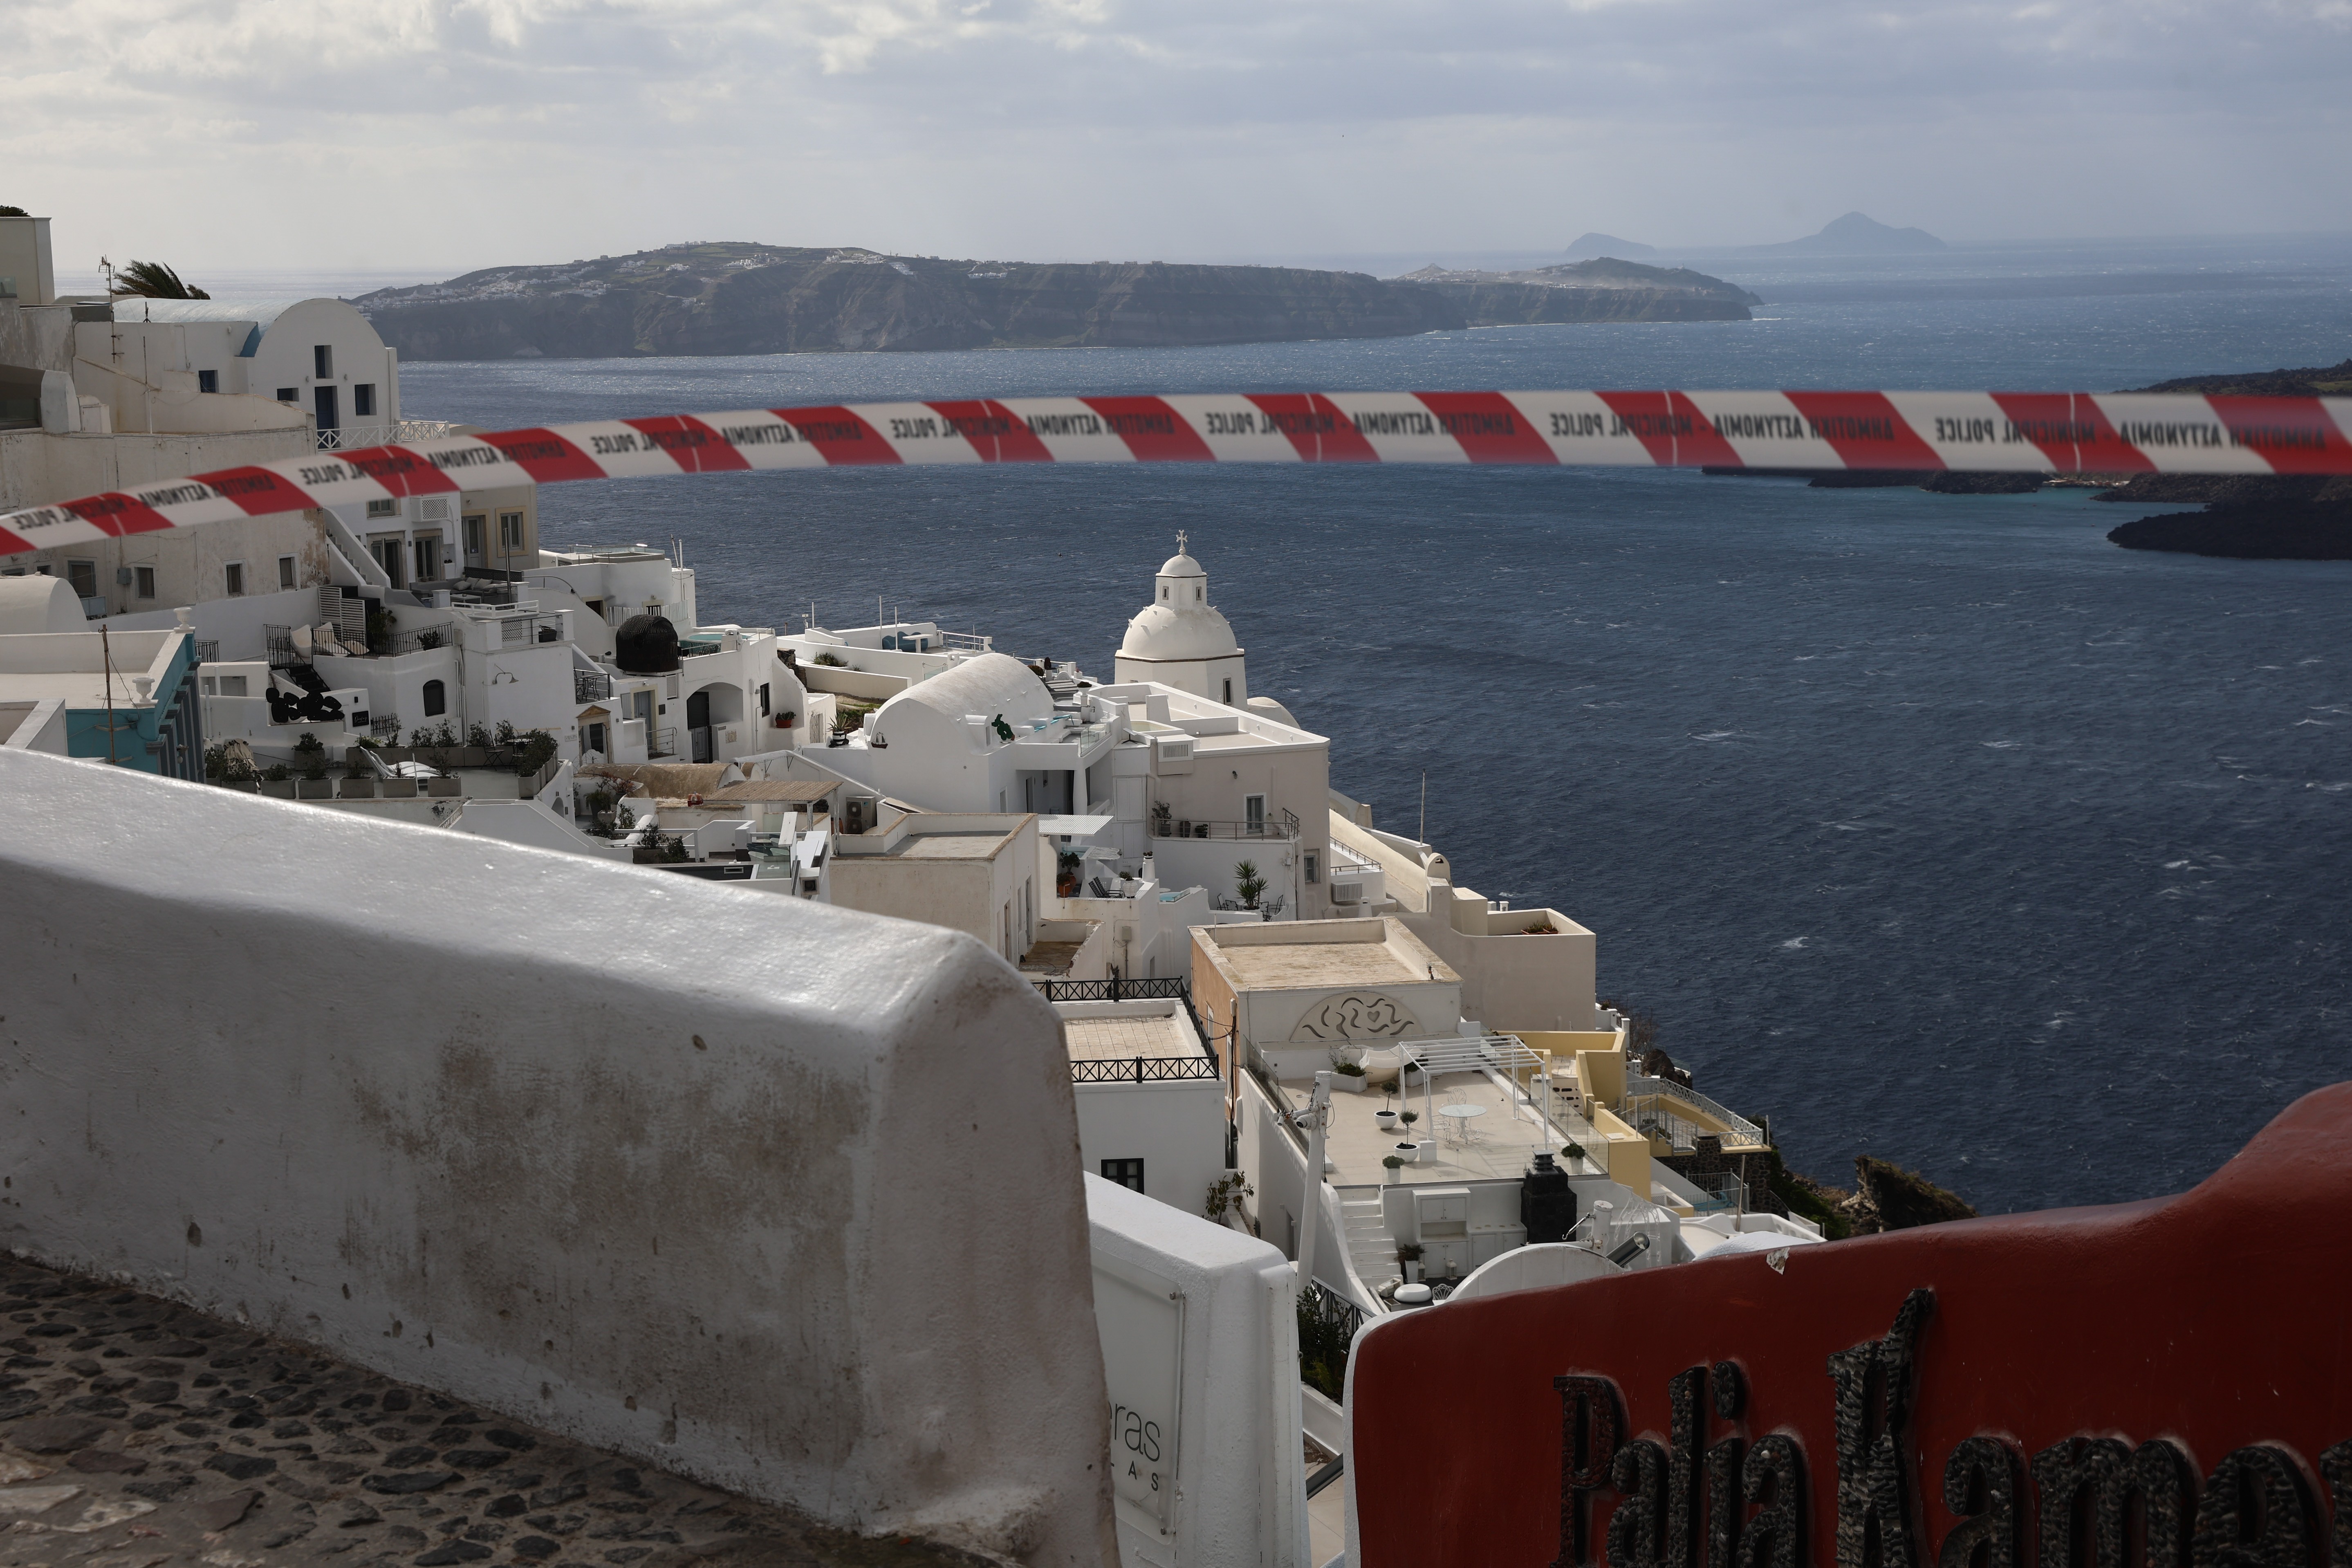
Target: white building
1178,640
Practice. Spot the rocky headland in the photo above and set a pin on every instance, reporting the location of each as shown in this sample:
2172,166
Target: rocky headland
2278,516
1606,289
745,299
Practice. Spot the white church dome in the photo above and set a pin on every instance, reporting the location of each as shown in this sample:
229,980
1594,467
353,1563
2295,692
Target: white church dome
1180,623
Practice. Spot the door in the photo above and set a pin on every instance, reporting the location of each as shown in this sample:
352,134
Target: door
389,555
697,724
428,558
329,409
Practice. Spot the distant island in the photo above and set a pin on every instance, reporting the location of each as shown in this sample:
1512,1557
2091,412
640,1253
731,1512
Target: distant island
1606,289
1853,234
741,298
1588,246
2246,517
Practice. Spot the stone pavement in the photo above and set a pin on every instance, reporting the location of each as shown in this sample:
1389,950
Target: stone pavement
135,1432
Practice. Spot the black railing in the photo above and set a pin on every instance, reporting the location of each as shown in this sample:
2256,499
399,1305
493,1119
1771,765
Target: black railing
589,685
1176,989
1328,1325
1144,1070
1282,825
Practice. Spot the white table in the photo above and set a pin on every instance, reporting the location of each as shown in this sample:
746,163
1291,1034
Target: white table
1458,1117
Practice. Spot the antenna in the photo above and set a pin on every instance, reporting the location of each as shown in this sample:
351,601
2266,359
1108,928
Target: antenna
105,655
1424,805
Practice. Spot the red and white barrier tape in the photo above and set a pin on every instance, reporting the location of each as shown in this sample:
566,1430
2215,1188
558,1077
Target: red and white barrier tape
2061,432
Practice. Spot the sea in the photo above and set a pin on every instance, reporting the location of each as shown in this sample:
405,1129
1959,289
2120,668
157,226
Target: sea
1937,828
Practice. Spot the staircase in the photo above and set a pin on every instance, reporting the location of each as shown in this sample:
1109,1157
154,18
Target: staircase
1369,1246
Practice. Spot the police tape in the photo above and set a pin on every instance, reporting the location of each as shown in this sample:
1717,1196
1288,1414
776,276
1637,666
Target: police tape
2032,432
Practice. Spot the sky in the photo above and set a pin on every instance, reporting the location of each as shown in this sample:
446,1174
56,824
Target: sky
428,137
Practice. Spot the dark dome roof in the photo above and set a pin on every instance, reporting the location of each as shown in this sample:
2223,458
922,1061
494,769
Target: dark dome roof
646,645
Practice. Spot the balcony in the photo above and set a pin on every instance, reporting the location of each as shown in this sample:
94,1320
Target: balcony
396,432
1282,827
591,686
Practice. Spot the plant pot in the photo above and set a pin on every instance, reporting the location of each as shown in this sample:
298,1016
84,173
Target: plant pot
1347,1083
1411,1153
314,789
281,789
1387,1120
1412,1271
1392,1175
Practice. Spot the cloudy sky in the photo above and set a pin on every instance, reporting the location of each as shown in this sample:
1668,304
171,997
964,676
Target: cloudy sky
436,135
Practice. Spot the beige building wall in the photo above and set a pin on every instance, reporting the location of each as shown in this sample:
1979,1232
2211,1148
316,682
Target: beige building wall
192,565
977,874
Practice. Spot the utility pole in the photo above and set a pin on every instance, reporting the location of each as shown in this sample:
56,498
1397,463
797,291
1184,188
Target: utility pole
106,657
1318,1113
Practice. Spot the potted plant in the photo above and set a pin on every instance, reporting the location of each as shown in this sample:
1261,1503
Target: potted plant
1392,1164
1408,1118
1067,864
1571,1151
278,779
1409,1257
1386,1118
1248,886
1347,1076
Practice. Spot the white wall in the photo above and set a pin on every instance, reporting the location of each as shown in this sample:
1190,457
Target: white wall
1177,1129
1200,1344
713,1179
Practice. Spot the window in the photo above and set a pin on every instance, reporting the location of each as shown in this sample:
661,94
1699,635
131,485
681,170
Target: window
1253,814
363,399
1163,592
428,558
233,578
289,394
1229,693
437,699
510,531
83,576
286,571
1314,866
388,507
1127,1173
322,362
763,699
474,536
145,575
232,686
1197,593
208,381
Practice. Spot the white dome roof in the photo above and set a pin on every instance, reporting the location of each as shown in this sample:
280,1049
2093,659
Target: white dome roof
39,603
1180,565
991,685
1172,632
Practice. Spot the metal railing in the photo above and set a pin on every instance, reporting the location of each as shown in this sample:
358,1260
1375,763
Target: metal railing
1176,988
386,729
1281,827
520,631
591,685
1144,1070
398,643
207,650
662,742
352,438
967,641
1726,1192
1643,1088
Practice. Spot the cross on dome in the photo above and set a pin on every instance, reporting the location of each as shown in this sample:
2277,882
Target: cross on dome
1182,538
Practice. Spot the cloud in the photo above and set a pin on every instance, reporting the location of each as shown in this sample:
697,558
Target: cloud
453,133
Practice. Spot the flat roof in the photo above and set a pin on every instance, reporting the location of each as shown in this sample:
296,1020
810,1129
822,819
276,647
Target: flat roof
1301,955
958,844
776,789
1155,1037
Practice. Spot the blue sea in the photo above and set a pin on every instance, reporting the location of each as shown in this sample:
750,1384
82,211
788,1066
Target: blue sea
1937,827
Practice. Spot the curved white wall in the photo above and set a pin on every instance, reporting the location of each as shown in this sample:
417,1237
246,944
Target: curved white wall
711,1178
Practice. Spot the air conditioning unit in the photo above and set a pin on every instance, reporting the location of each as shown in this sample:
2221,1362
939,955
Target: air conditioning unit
1348,892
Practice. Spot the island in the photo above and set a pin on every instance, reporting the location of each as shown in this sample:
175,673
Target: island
740,297
2247,517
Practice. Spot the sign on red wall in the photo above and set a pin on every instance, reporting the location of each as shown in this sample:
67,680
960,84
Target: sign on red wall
2162,1384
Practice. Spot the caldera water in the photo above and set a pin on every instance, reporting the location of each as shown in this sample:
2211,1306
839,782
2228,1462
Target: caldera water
1937,827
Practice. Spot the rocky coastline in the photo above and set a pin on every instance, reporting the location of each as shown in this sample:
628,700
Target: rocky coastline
2280,517
745,299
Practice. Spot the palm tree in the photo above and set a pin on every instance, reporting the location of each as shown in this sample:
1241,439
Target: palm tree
152,281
